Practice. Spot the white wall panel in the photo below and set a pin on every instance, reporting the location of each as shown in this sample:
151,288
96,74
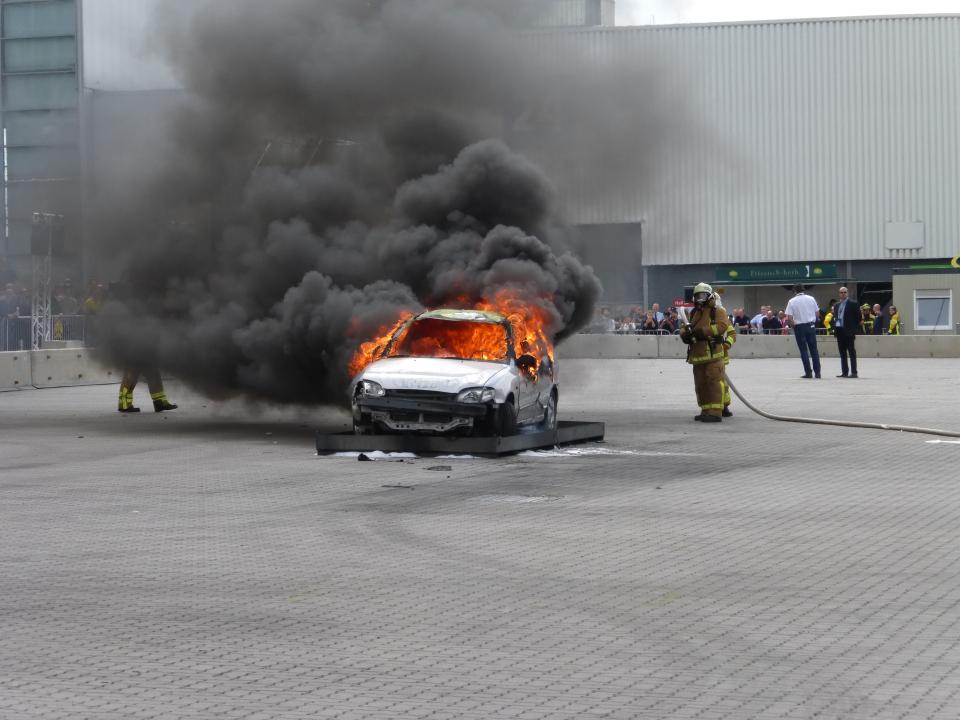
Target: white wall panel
803,139
806,139
119,45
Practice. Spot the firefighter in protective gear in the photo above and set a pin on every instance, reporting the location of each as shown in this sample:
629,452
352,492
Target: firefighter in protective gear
730,337
154,383
866,319
828,321
894,327
708,343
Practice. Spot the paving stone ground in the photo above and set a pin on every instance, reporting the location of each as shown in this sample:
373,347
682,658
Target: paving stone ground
207,564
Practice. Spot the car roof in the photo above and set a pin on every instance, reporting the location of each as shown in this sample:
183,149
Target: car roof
485,316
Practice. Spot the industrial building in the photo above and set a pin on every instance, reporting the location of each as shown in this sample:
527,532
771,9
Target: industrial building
824,151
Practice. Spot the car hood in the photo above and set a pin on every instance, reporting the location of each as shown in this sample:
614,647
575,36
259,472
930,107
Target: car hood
438,374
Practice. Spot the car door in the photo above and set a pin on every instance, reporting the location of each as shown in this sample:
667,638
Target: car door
528,391
546,379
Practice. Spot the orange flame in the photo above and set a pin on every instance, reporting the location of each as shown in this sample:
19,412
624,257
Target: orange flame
530,322
470,341
370,351
442,338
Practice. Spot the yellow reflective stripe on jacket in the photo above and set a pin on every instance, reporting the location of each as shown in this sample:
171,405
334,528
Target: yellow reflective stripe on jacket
700,359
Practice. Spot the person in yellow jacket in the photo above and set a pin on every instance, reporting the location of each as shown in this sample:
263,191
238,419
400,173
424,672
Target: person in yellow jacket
730,337
828,320
866,320
708,343
894,327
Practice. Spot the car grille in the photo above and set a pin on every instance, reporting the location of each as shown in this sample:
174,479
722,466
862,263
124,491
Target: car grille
420,395
413,416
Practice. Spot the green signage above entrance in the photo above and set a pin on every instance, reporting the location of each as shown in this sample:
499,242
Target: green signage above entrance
776,273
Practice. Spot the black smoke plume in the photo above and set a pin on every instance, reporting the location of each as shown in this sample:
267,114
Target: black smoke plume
333,163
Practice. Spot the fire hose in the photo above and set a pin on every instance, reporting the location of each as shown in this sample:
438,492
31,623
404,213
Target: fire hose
839,423
824,421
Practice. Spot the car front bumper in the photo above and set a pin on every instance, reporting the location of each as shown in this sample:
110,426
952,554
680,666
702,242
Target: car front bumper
406,414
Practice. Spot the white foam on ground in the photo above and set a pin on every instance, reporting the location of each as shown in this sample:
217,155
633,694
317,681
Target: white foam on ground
945,442
377,455
579,452
519,499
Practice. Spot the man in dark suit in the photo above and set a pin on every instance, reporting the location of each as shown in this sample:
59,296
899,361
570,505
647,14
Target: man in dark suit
846,320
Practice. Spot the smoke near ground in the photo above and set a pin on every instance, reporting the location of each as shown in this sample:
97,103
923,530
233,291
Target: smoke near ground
335,163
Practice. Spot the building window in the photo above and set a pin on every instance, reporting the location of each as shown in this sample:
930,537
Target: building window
933,309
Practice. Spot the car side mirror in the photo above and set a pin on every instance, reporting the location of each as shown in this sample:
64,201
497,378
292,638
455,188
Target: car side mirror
527,363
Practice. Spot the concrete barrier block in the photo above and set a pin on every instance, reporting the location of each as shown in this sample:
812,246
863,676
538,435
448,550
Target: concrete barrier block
15,370
765,346
624,347
941,346
62,368
873,346
827,346
671,347
617,347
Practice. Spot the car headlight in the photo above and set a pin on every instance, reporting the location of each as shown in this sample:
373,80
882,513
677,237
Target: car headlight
476,395
369,388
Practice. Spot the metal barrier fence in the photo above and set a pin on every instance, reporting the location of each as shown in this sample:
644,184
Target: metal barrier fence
15,332
782,331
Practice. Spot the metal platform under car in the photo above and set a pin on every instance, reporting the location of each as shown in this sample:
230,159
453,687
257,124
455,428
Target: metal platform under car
567,432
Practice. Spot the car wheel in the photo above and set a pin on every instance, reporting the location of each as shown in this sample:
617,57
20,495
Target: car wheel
360,428
507,419
549,421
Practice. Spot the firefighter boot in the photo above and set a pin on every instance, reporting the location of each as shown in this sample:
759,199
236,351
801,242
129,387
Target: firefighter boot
160,402
125,402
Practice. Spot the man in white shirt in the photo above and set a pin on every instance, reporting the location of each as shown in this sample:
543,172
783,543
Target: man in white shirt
756,323
802,314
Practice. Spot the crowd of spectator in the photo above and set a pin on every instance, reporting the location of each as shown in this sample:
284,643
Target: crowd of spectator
626,320
68,308
16,300
636,321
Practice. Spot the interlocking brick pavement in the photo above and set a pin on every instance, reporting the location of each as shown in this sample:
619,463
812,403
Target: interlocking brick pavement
205,564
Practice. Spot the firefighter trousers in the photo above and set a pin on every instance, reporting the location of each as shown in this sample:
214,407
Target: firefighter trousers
129,382
152,376
710,387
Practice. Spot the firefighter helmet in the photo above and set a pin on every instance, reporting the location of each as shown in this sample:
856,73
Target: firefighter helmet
702,293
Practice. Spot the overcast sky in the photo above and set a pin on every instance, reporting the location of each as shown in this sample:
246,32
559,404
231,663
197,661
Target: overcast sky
645,12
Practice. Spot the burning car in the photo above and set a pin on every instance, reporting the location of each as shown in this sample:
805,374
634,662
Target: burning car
475,372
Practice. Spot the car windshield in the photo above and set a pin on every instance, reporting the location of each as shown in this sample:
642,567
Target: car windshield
465,340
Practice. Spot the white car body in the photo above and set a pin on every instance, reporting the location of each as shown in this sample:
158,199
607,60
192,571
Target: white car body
447,394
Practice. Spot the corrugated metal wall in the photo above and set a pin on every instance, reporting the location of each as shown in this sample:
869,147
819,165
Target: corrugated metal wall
822,139
573,13
806,139
118,49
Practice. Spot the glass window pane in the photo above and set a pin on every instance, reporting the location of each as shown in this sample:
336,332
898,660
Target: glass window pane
42,162
41,127
46,54
933,312
34,19
18,242
38,92
26,198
